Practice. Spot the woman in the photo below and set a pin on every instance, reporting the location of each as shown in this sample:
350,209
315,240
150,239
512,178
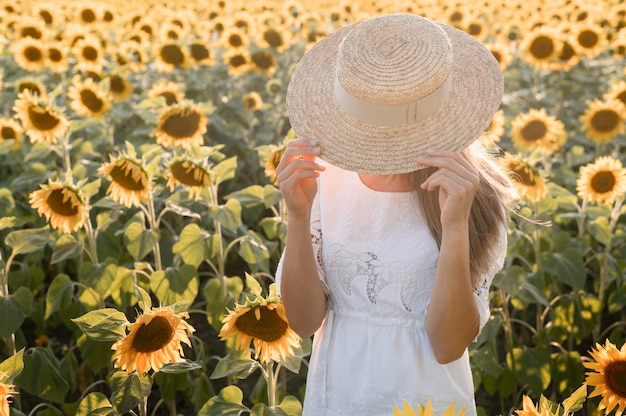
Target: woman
396,216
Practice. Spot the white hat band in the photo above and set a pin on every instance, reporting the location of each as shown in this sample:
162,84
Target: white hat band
392,115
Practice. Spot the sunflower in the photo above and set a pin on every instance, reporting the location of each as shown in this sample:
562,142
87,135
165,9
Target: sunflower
41,121
201,53
501,50
130,183
29,27
152,341
602,181
238,61
494,132
34,85
168,90
88,99
181,124
234,38
29,54
608,376
6,392
133,54
252,101
170,55
541,46
617,92
618,45
263,322
10,130
120,88
603,120
529,408
590,38
61,204
48,13
425,410
537,130
89,54
568,55
192,174
264,61
272,163
57,55
526,179
273,37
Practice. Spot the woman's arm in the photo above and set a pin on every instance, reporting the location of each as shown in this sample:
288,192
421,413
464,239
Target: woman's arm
301,289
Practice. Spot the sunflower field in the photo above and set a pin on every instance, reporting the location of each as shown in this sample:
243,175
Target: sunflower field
140,221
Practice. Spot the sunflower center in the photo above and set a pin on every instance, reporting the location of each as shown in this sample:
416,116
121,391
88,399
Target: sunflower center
7,133
153,336
170,98
91,100
237,61
42,119
189,174
273,38
60,205
30,86
263,59
123,174
46,16
523,175
88,16
55,55
542,47
497,55
605,120
588,38
235,41
567,52
199,52
533,131
622,97
90,53
269,328
182,125
615,376
603,182
33,32
172,55
33,54
474,29
117,84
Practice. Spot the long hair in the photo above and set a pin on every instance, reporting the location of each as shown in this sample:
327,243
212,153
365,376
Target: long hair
489,212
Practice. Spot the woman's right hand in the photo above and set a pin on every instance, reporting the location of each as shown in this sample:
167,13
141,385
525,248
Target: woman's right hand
297,175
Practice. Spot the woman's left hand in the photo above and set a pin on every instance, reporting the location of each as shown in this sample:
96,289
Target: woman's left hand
457,182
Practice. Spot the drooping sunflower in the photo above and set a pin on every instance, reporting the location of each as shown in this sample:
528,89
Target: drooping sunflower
608,376
29,54
528,182
426,410
88,99
252,101
34,85
262,322
61,204
153,340
181,124
130,183
602,181
529,408
89,54
603,120
541,46
169,55
168,90
6,392
590,38
494,132
10,130
537,130
42,122
195,176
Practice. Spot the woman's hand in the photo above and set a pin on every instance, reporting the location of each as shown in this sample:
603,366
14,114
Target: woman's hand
457,182
297,175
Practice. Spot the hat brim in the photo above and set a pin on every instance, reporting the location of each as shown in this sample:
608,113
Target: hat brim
475,95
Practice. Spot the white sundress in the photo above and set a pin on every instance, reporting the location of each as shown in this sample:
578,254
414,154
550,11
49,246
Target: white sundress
377,261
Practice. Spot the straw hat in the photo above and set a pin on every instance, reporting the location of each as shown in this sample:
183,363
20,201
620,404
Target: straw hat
378,94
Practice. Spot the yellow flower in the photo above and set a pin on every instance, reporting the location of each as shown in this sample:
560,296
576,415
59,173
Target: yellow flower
42,122
590,38
89,54
61,204
541,46
201,53
529,408
252,101
526,179
10,130
195,176
6,392
617,92
603,120
120,88
425,410
239,61
537,130
35,86
494,132
57,55
29,54
152,341
265,324
264,61
130,184
88,99
602,181
272,163
133,54
169,55
181,125
501,50
168,90
608,376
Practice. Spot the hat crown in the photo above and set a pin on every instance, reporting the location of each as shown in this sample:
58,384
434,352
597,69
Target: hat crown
394,59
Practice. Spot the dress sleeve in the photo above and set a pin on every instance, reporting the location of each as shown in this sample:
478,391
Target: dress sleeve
481,291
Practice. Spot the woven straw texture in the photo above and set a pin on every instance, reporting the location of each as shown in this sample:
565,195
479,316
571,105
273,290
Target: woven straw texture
390,60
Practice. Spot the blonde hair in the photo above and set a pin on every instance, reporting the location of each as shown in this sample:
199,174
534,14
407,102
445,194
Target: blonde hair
489,213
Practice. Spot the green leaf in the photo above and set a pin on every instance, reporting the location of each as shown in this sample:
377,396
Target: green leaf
96,354
139,241
6,146
253,250
567,267
42,375
575,402
28,241
531,367
253,285
12,367
215,303
175,284
10,222
12,316
236,363
25,298
228,215
291,406
201,391
145,301
95,404
59,295
129,390
103,324
181,367
600,229
66,247
250,196
91,188
225,170
227,403
192,245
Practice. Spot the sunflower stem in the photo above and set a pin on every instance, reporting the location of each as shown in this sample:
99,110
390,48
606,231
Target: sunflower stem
152,221
143,407
271,384
92,249
65,146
